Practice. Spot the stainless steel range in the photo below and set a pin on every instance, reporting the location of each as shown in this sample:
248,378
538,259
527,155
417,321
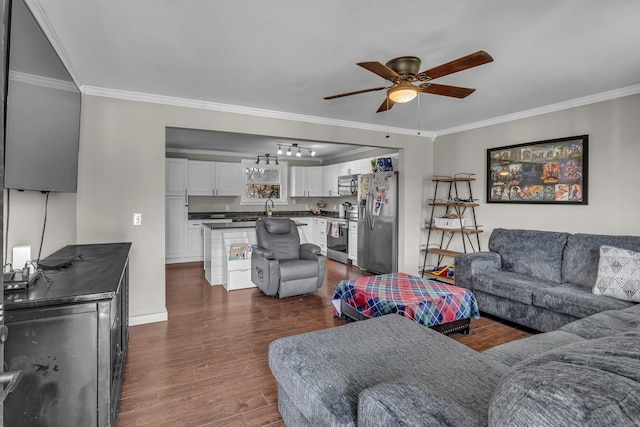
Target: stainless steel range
338,240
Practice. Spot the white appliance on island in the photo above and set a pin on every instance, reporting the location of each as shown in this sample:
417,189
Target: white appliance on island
221,267
218,268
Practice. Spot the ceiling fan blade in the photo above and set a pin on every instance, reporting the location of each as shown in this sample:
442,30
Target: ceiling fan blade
386,105
355,92
446,90
473,60
381,70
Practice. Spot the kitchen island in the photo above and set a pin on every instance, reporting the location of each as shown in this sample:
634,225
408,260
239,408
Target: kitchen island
218,238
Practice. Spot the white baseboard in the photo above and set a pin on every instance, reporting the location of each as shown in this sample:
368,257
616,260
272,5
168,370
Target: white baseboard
148,318
178,260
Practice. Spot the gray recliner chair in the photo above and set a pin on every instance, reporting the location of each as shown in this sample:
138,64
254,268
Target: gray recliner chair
280,264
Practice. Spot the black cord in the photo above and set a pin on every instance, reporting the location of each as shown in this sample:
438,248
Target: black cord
6,235
44,225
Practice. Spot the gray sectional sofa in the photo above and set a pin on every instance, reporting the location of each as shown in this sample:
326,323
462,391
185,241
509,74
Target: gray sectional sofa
390,371
540,279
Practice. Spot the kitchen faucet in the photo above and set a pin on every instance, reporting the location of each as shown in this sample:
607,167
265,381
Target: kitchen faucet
267,208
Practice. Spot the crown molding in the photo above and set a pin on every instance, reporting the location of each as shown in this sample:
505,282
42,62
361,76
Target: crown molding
36,9
578,102
237,109
32,79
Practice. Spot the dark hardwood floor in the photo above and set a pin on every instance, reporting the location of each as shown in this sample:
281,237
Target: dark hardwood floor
207,365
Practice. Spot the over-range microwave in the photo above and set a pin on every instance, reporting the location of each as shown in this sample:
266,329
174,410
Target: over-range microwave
348,185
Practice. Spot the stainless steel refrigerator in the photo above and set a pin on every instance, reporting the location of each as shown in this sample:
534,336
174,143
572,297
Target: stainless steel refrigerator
378,222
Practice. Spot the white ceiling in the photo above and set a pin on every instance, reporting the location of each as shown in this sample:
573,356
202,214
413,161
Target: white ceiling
283,56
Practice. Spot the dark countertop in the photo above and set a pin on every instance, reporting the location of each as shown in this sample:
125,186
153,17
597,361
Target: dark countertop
94,274
253,216
238,224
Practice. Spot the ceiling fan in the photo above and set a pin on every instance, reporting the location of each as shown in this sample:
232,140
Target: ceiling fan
403,71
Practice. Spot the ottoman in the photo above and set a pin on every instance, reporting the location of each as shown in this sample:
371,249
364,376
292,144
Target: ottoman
439,306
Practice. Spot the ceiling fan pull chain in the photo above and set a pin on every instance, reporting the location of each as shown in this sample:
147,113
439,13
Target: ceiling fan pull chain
387,101
419,116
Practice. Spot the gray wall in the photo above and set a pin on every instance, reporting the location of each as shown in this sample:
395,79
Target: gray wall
614,173
121,171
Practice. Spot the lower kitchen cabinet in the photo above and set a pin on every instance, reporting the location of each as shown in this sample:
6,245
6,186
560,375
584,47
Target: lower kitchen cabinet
175,228
353,242
320,234
195,240
69,338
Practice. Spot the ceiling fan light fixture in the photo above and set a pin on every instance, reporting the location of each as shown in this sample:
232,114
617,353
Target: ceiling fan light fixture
403,92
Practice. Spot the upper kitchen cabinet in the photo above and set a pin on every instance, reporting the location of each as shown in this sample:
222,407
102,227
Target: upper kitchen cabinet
349,168
175,177
214,178
305,181
330,175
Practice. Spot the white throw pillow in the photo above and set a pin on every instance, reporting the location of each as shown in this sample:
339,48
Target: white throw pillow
618,274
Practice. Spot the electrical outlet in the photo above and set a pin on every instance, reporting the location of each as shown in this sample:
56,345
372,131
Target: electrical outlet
137,219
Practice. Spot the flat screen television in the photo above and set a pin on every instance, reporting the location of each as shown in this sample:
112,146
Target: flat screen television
42,126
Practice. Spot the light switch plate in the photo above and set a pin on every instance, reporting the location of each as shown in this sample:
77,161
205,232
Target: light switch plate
137,219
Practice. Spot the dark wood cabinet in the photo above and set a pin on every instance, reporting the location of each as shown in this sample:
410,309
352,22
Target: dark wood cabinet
69,337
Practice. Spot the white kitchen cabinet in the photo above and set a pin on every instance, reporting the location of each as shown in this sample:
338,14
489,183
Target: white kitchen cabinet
175,177
228,179
201,178
175,228
214,178
305,181
195,240
365,166
352,250
330,175
349,168
320,234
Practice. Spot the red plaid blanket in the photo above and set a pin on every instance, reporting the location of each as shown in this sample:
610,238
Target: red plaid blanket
428,302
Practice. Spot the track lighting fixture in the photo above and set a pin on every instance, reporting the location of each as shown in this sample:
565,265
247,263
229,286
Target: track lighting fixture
267,158
298,153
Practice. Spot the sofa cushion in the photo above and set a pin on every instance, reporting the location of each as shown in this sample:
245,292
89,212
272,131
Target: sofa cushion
516,351
575,300
580,261
635,308
607,323
512,286
530,252
427,400
590,383
618,274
